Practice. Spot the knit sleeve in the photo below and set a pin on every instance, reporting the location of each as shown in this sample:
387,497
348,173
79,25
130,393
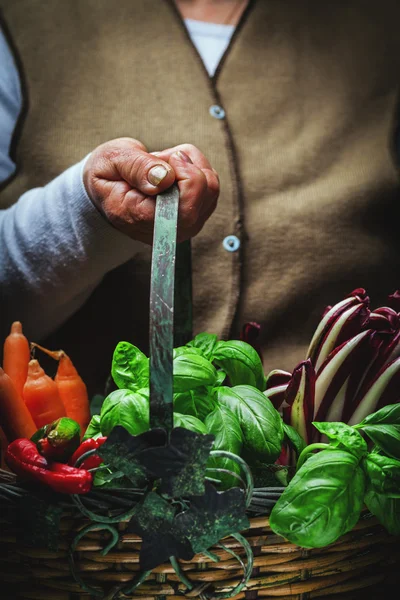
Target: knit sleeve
55,249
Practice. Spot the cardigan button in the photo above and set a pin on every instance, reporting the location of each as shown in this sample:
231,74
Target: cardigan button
217,111
231,243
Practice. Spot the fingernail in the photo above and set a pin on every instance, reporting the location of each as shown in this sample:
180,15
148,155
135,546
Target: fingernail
157,174
183,156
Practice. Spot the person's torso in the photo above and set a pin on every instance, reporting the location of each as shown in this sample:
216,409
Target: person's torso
304,152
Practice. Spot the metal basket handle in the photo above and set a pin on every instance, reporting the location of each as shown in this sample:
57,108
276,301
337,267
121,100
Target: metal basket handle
166,253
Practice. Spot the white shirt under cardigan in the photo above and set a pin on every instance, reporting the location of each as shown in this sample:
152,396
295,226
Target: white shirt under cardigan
55,246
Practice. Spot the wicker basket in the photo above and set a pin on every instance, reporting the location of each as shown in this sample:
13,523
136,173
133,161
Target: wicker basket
359,561
259,564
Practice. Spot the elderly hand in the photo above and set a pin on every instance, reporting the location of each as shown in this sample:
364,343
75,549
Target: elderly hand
122,180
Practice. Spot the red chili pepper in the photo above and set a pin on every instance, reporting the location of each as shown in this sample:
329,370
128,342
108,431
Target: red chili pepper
24,452
24,459
92,462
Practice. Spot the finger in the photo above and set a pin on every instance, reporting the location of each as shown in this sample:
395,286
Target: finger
199,191
191,154
195,155
144,172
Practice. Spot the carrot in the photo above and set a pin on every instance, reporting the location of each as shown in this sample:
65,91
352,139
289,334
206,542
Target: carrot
16,356
71,387
15,418
41,396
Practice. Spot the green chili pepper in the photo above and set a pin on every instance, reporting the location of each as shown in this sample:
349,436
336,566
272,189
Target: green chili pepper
58,440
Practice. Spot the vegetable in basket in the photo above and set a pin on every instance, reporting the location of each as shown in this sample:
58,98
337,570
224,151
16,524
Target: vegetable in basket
352,367
15,418
41,396
16,356
91,462
71,388
59,439
241,418
325,498
25,460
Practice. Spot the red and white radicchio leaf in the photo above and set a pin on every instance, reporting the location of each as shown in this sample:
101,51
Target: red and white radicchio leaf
384,390
275,386
329,319
347,325
276,395
347,363
384,319
277,377
300,398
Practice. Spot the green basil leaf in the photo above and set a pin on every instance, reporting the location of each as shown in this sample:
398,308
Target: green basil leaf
344,436
293,438
260,422
183,404
386,437
189,422
192,371
130,367
241,363
223,424
93,429
221,376
126,408
386,510
323,500
388,415
186,350
206,343
198,403
109,479
383,474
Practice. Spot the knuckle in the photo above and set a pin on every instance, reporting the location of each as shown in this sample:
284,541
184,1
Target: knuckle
188,148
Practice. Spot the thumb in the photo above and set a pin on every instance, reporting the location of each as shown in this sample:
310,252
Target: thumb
143,171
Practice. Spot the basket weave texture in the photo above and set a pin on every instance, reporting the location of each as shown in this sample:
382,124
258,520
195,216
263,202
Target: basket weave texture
359,561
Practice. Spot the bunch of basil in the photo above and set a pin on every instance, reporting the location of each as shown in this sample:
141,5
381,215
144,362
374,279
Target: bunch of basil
239,415
359,466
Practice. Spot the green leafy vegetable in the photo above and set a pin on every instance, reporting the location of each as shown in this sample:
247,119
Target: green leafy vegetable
126,408
260,422
189,422
386,437
323,500
293,439
192,371
198,403
383,474
343,436
388,415
109,479
93,429
387,510
184,350
130,367
206,343
241,363
223,424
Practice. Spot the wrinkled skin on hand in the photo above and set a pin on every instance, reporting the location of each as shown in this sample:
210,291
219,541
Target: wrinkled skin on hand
116,178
